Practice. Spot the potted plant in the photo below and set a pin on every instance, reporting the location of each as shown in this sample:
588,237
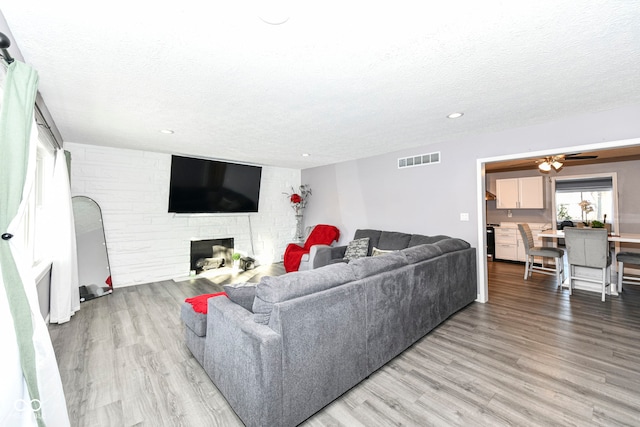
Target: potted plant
586,207
563,213
236,260
298,203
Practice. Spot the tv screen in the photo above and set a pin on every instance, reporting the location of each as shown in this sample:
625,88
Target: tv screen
209,186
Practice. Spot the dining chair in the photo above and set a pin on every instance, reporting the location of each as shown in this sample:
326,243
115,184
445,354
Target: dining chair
533,251
588,247
627,258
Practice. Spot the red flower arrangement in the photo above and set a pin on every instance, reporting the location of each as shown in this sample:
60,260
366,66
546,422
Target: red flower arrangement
299,200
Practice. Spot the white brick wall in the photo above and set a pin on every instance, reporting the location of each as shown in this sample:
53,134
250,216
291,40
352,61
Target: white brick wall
144,241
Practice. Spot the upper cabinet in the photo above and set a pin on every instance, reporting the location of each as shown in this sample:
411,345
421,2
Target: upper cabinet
520,193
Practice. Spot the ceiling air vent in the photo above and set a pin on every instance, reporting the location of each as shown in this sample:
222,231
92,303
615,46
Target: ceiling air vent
419,160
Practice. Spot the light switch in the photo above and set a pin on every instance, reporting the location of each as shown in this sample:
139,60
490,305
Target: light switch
464,216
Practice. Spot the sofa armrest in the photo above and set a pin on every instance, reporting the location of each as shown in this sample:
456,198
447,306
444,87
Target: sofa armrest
244,360
307,264
326,255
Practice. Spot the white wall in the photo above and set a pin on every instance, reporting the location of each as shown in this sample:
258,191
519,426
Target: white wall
372,192
145,242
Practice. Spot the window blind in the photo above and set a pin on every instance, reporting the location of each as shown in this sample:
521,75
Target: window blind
588,184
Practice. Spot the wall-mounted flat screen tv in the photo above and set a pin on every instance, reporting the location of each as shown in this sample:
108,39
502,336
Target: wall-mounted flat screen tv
210,186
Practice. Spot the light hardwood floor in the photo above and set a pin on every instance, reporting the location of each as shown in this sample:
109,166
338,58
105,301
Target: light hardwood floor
531,356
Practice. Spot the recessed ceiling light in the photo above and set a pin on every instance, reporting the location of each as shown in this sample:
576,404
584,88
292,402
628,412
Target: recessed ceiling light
274,12
305,154
167,131
274,20
455,115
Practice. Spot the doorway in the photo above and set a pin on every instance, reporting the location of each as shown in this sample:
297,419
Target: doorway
483,289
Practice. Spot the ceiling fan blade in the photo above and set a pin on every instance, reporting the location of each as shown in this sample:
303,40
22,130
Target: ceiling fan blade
580,157
563,157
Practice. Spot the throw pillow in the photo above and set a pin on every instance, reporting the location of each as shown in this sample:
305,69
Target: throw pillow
357,249
242,294
377,252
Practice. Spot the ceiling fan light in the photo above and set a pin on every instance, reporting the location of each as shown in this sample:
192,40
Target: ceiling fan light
544,166
556,164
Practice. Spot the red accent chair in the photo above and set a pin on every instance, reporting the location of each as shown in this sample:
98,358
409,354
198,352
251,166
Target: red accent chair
297,257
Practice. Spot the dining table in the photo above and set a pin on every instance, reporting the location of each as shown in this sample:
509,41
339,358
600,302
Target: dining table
614,238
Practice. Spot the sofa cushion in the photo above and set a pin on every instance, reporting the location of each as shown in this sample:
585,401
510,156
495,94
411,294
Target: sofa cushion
378,252
452,245
272,290
365,267
242,294
419,239
357,249
373,235
193,320
419,253
393,240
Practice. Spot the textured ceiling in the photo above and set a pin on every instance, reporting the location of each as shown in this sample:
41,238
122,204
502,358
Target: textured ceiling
338,80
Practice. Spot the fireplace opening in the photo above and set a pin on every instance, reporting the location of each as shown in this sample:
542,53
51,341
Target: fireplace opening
211,253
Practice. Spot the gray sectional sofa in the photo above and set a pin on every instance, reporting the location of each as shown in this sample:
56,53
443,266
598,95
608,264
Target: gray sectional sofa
310,336
385,240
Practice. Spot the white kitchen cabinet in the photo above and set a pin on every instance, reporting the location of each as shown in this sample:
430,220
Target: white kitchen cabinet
531,192
521,252
520,193
507,193
506,252
506,243
509,243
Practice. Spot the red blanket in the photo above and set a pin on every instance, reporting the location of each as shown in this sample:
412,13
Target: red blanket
199,302
322,234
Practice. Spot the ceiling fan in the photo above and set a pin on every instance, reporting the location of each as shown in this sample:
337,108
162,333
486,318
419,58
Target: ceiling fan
556,162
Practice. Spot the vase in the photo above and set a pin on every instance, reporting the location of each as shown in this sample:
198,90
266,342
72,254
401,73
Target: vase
299,236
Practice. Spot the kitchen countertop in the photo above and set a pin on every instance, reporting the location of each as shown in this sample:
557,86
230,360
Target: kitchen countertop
542,225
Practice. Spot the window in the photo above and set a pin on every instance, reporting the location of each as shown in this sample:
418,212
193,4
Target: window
36,216
585,199
44,175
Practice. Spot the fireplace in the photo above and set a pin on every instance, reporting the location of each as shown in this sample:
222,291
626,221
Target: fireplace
211,253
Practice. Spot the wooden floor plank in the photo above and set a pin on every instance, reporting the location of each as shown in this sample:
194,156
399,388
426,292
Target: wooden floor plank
532,355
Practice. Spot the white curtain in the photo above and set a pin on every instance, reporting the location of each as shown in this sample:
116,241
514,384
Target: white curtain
16,406
65,295
15,397
52,399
